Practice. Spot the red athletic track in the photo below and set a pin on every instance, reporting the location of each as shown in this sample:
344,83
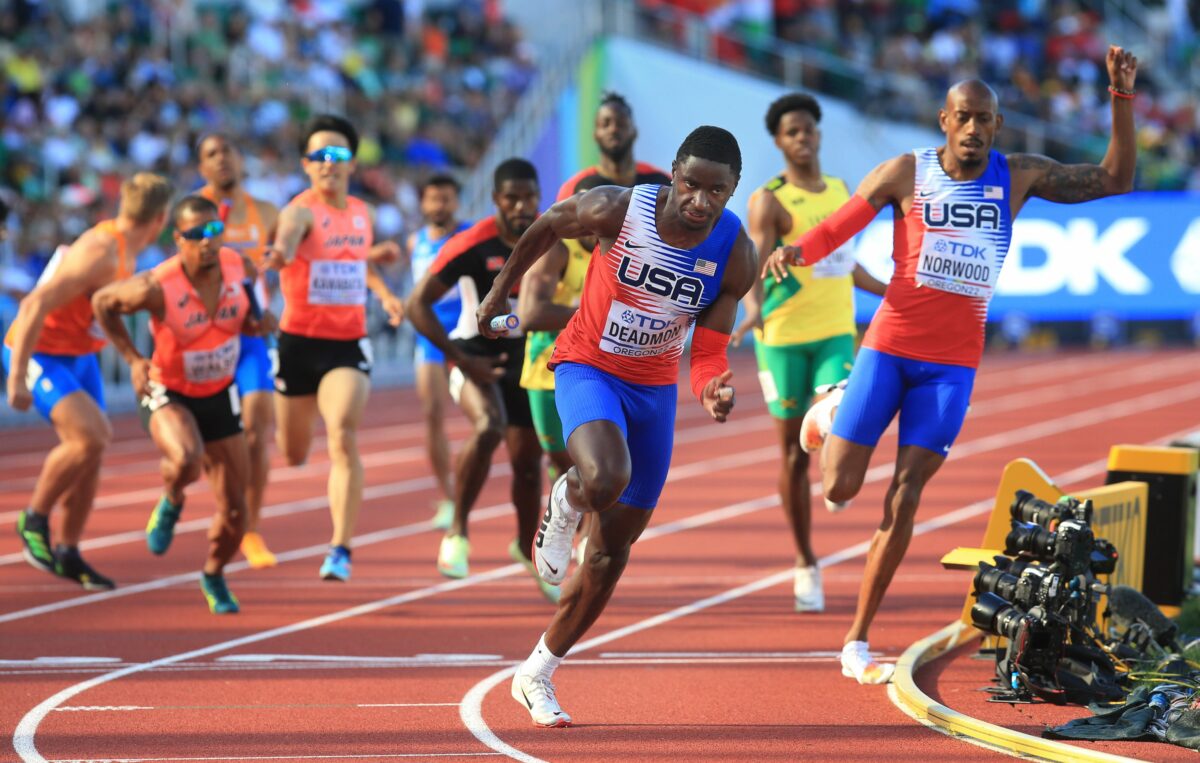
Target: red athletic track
761,682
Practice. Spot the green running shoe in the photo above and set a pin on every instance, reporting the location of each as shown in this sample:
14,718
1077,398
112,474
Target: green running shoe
220,600
453,555
160,530
34,530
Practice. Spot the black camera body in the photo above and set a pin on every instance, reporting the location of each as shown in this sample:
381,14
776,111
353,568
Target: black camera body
1069,546
1037,640
1028,508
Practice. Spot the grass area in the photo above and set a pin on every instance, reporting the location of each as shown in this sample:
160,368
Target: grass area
1189,618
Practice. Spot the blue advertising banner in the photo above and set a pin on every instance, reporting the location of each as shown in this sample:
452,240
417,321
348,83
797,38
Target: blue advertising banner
1135,256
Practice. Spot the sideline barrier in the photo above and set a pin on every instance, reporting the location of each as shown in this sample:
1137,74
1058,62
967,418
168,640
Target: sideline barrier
910,698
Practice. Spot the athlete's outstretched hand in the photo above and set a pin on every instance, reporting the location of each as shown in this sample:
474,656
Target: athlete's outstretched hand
19,397
1122,67
780,259
483,370
492,305
716,403
394,307
139,377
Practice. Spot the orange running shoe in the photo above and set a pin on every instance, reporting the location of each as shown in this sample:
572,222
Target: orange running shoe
256,552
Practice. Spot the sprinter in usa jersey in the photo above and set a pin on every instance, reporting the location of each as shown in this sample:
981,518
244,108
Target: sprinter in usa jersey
669,258
953,208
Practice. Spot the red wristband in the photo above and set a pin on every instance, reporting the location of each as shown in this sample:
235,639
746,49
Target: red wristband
1119,93
708,358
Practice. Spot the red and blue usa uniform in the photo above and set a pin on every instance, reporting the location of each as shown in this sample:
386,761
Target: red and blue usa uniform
618,358
920,353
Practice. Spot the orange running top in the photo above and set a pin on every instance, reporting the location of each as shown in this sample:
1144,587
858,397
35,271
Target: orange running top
195,352
325,287
249,236
71,329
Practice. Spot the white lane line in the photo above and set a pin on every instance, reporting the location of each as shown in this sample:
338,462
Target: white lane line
98,708
684,471
23,736
704,431
379,756
471,709
421,659
408,704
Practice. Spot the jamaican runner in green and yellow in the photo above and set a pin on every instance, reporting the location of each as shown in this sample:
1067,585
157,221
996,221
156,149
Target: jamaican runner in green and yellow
803,326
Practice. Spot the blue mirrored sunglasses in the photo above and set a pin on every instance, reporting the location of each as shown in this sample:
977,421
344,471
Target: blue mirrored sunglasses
210,229
335,154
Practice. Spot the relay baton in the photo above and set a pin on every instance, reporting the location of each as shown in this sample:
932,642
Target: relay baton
504,322
725,394
255,308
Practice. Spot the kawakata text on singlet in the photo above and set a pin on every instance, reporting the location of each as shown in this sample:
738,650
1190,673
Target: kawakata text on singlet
200,366
635,333
337,282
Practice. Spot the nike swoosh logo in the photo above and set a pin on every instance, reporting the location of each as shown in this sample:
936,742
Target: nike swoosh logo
630,245
552,570
525,697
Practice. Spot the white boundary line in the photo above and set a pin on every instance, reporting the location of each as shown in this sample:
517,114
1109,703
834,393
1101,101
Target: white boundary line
23,736
471,709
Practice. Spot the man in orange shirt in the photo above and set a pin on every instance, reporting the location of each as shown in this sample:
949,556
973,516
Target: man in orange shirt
323,248
50,356
189,402
249,228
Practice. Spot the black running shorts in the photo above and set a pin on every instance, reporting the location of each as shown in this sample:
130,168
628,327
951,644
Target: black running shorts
218,416
304,361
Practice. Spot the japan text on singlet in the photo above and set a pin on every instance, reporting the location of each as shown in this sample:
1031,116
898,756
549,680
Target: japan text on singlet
195,352
948,252
325,287
71,328
642,295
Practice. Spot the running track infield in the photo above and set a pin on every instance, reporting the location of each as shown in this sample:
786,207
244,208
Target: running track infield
699,656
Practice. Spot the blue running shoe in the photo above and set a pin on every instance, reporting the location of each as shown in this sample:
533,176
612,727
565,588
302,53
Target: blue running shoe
220,600
160,530
337,564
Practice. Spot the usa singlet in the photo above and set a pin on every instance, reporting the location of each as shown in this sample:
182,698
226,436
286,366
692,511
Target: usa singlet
948,251
642,296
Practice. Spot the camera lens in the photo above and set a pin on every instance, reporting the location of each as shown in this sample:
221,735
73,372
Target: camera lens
995,615
1030,539
1026,507
990,579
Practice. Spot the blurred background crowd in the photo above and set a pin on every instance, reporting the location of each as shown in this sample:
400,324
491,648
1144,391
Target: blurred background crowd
94,89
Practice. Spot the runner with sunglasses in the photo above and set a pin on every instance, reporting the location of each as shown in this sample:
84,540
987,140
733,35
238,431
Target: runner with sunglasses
50,354
249,227
188,400
322,248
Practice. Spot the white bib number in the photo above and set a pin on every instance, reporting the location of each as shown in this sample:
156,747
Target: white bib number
200,366
961,267
633,333
337,282
838,264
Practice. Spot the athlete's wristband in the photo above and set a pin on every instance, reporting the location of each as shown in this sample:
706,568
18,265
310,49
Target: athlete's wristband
708,358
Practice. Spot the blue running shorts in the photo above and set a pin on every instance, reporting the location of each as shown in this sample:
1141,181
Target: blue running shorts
932,399
644,413
255,369
447,313
53,377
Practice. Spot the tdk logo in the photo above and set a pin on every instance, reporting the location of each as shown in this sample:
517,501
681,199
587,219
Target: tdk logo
962,214
958,249
661,282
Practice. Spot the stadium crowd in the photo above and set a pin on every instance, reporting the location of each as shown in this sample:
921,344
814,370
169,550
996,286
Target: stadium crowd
93,90
1044,57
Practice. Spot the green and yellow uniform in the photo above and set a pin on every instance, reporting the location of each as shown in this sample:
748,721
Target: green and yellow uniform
539,346
807,338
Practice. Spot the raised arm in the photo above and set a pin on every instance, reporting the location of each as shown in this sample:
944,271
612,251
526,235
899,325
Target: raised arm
710,363
295,221
142,292
85,266
1036,175
535,304
599,212
890,183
